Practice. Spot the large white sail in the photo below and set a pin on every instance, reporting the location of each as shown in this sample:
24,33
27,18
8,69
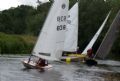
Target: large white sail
51,39
71,38
89,46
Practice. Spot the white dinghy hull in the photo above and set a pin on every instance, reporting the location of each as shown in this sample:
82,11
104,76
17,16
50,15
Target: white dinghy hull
32,65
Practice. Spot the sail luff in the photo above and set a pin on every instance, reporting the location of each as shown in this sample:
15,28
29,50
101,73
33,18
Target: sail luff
89,46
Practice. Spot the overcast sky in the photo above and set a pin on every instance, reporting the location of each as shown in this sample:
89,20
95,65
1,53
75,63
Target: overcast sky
5,4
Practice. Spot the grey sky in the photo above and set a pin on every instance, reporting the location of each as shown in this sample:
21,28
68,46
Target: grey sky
5,4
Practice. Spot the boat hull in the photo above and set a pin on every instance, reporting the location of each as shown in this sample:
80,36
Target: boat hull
73,57
32,65
28,65
80,58
91,62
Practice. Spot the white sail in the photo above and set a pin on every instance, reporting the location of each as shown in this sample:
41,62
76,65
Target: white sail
89,46
71,40
51,39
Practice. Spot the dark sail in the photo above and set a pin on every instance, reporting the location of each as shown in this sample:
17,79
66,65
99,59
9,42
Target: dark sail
110,38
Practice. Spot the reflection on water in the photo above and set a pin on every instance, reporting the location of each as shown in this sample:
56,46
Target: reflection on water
11,69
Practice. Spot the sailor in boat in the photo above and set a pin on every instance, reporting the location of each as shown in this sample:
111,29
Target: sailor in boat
90,53
35,63
78,50
41,63
89,60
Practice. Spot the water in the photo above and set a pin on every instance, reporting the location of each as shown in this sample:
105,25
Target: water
11,69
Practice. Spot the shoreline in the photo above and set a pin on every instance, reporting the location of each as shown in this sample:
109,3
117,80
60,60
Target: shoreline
14,55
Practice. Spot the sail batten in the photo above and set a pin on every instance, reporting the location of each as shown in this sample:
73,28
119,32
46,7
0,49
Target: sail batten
51,39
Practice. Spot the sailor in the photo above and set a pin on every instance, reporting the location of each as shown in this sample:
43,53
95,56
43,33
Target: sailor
90,53
42,62
78,50
89,60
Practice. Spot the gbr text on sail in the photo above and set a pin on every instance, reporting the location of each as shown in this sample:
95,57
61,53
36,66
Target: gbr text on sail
61,26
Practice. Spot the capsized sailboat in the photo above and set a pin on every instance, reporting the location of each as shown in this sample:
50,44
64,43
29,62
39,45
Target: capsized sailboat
49,45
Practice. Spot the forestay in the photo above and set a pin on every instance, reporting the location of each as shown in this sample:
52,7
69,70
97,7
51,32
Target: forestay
51,39
89,46
71,38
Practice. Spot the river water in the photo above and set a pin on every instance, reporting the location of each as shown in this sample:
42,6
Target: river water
11,69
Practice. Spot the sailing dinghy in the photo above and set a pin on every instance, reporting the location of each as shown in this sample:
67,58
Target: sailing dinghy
49,45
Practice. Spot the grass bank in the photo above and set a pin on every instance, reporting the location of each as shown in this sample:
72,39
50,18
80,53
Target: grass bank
16,44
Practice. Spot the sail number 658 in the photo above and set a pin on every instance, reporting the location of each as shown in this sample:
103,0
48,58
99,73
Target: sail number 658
61,27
